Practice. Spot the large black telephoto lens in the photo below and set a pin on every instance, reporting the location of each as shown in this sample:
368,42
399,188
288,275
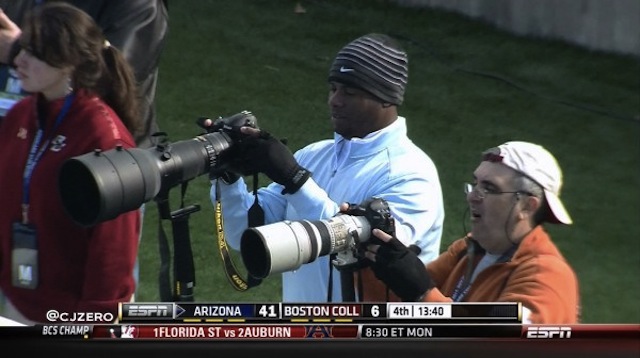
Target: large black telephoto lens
287,245
99,186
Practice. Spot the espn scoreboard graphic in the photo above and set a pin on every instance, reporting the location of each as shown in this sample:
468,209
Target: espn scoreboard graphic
337,313
333,321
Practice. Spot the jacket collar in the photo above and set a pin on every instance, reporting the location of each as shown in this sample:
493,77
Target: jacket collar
373,142
536,242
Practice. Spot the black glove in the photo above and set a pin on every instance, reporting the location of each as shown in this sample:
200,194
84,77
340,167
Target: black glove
400,268
268,155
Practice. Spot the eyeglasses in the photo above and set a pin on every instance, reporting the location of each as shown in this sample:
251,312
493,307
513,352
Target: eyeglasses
482,192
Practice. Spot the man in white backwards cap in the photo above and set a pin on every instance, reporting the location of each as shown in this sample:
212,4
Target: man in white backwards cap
508,256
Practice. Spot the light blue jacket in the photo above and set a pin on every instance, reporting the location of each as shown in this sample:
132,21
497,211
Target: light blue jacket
385,164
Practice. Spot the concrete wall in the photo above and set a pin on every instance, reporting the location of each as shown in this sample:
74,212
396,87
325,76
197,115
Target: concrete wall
605,25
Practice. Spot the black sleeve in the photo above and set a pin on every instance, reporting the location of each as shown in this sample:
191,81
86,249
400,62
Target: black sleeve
138,28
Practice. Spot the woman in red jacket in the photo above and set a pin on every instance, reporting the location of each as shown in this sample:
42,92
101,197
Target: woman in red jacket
83,98
508,256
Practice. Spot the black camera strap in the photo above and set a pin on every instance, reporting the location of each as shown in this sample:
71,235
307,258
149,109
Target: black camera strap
183,266
256,218
164,279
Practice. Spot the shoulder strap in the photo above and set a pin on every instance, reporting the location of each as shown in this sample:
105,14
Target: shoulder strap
183,266
256,218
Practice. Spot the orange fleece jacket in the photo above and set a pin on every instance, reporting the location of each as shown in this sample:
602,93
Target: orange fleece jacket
535,273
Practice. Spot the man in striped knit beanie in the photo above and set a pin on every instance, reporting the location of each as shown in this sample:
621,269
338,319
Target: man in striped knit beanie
374,63
370,155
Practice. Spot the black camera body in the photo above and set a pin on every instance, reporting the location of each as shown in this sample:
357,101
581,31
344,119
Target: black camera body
377,213
287,245
100,185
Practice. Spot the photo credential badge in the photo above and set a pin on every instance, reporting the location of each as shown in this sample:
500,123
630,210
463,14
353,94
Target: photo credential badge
24,256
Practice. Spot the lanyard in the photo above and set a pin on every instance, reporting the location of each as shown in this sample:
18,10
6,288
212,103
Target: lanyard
36,152
462,287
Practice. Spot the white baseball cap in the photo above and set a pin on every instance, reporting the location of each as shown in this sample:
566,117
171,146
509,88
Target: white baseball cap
538,164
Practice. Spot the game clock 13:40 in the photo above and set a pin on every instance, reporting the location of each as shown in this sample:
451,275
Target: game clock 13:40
434,311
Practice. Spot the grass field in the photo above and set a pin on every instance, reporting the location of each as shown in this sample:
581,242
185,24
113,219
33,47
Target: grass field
470,87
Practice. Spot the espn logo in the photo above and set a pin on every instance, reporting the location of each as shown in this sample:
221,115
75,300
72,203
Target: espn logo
142,311
548,332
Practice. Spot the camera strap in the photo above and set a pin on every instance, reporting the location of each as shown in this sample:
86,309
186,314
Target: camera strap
256,218
183,265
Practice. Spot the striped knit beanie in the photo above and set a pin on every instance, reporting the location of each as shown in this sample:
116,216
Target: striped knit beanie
374,63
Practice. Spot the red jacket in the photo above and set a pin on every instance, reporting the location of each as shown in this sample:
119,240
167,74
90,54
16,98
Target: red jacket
80,269
535,274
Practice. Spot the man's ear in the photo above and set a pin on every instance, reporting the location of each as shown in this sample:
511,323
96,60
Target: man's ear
531,203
